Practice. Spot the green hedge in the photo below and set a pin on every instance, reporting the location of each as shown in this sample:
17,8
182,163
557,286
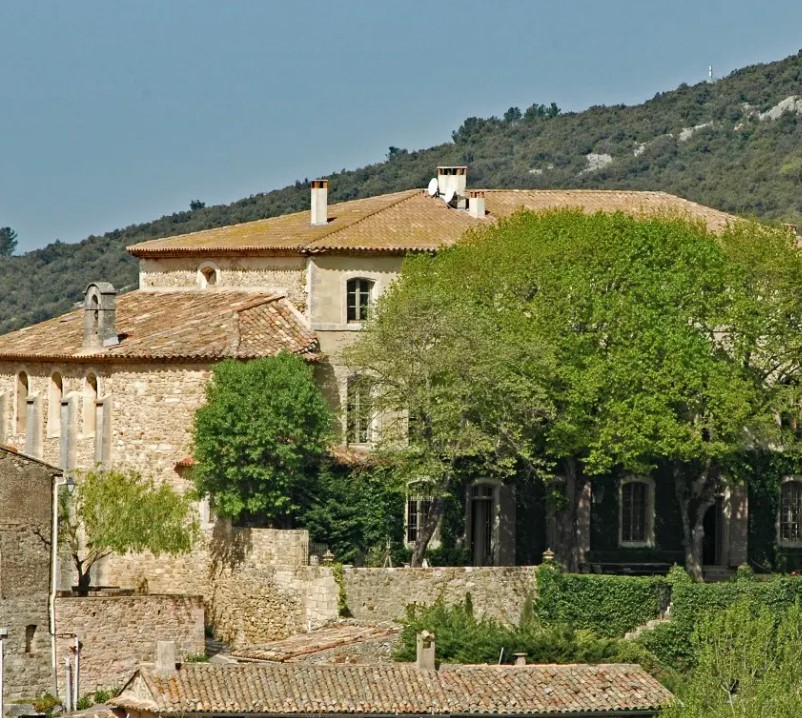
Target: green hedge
610,606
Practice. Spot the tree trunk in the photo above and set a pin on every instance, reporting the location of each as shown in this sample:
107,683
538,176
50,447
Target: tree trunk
566,524
695,496
84,582
427,531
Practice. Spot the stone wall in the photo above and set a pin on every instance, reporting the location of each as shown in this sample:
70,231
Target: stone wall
119,632
285,275
382,594
25,510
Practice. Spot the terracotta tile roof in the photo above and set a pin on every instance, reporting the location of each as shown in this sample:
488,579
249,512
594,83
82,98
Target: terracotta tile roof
398,688
191,325
407,221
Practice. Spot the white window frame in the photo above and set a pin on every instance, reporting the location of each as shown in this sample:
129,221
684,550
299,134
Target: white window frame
788,543
371,294
649,508
418,497
371,422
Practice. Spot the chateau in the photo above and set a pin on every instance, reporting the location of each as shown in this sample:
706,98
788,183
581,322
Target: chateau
117,381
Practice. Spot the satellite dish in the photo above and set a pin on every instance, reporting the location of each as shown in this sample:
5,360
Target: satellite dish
432,189
449,198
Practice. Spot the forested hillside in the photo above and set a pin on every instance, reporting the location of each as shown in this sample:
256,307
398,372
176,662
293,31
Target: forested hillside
735,144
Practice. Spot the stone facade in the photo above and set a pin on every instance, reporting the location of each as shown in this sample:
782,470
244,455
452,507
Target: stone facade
25,524
382,594
117,633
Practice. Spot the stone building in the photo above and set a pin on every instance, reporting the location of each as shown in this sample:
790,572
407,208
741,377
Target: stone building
118,380
26,486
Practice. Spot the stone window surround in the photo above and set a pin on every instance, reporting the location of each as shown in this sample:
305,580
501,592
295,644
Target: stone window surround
650,486
418,497
55,392
353,277
788,543
89,399
496,485
19,419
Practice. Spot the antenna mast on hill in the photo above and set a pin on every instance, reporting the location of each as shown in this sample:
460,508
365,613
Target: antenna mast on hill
710,73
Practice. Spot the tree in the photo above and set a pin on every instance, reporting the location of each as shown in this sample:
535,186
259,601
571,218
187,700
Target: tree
450,390
113,512
196,204
259,438
631,342
8,241
747,665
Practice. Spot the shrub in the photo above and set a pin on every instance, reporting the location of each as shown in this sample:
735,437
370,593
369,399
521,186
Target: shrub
610,606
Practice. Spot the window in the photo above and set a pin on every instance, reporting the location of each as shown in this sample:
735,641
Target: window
636,512
791,511
359,411
30,639
54,394
22,401
359,292
417,513
90,404
208,275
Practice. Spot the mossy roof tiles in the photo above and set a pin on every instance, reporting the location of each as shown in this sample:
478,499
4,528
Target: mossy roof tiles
406,222
198,325
396,689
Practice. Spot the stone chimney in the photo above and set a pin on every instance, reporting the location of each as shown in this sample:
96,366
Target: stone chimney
165,658
455,178
320,202
476,204
100,308
424,660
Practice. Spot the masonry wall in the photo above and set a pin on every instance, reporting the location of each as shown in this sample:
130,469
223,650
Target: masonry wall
119,632
25,510
284,275
382,594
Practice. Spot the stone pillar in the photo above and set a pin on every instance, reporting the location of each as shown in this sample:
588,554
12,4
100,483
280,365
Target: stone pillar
103,433
33,426
4,404
738,519
69,430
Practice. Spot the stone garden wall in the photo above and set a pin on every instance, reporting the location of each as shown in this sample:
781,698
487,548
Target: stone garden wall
119,632
382,594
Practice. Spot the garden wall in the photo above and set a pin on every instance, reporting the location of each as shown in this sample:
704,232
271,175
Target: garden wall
382,594
119,632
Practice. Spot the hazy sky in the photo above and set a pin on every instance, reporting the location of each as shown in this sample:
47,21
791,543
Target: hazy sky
118,111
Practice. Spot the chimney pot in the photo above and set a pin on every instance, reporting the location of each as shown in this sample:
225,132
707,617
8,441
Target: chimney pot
455,178
165,658
425,651
320,201
520,659
476,204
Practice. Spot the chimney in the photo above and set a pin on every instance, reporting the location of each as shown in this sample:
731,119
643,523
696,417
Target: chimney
455,178
100,308
320,202
425,653
476,204
165,658
520,659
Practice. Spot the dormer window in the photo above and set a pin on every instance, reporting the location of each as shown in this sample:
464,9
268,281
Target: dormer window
208,275
359,293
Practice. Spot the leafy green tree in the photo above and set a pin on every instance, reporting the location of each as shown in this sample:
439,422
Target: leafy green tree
196,204
747,665
113,512
8,241
259,438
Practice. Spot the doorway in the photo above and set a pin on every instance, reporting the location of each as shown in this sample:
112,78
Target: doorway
482,515
712,523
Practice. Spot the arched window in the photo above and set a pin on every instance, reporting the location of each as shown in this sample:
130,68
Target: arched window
791,511
359,410
359,294
22,401
90,404
54,394
636,512
208,275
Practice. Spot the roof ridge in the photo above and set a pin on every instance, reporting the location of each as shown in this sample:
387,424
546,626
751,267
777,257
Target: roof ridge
408,194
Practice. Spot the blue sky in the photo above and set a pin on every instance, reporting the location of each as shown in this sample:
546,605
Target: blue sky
114,112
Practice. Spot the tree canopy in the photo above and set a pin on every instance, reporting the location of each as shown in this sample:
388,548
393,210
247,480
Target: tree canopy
118,511
8,241
584,344
263,429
